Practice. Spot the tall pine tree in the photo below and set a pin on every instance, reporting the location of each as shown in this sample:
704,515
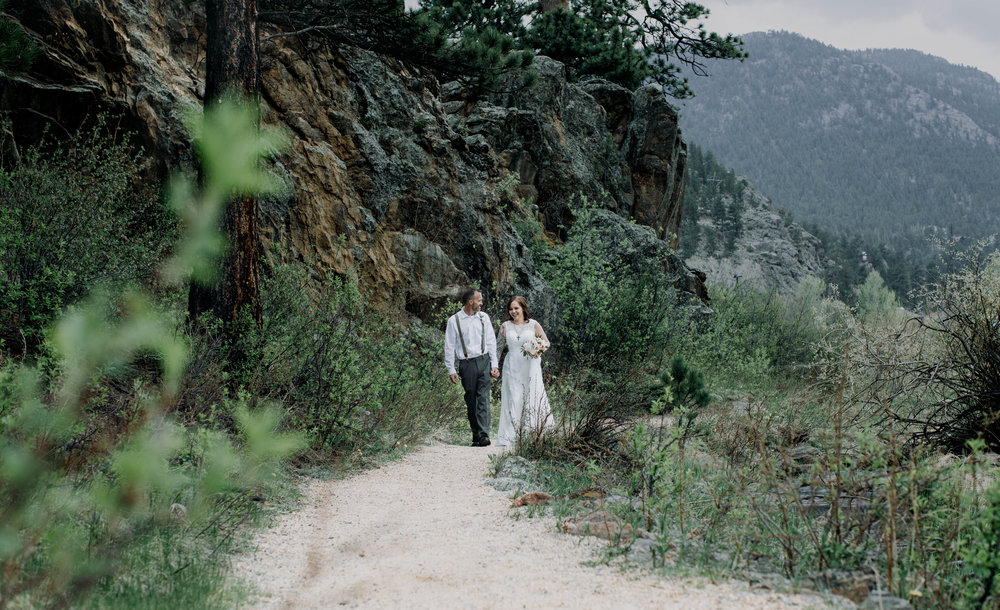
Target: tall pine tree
232,70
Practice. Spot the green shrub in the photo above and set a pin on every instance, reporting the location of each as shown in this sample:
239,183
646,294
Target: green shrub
74,504
981,552
736,494
591,406
613,297
74,216
749,337
937,371
654,453
351,377
529,228
964,376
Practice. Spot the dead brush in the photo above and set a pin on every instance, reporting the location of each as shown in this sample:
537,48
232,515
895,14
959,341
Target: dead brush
869,500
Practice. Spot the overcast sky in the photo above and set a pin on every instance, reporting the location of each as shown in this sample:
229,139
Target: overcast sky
961,31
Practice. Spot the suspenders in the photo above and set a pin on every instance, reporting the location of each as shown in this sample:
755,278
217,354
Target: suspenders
462,338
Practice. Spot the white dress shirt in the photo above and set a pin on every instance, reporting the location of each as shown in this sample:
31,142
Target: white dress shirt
473,328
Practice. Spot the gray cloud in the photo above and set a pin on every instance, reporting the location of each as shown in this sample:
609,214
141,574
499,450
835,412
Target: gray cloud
961,31
974,18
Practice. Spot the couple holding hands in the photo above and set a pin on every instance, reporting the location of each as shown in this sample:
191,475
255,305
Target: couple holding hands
469,339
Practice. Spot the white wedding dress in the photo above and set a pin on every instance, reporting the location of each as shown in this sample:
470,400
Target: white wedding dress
524,407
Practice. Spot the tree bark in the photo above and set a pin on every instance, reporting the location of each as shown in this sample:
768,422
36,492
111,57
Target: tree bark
551,5
232,71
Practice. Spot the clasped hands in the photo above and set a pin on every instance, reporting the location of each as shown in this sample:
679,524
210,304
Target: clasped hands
494,373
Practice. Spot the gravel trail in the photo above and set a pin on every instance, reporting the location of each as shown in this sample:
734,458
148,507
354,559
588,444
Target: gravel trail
426,532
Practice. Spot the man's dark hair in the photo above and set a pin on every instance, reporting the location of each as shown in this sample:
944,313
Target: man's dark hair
467,295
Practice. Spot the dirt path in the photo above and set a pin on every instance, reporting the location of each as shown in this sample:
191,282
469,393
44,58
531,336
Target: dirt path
426,532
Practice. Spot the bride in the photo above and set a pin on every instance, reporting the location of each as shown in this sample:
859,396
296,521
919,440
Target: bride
524,407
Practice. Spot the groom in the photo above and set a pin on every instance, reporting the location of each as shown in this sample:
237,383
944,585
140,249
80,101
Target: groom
469,337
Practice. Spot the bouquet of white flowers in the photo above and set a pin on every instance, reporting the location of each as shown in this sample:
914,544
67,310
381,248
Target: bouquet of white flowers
533,348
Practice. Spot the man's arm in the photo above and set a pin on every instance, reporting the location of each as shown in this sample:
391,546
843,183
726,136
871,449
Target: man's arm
449,347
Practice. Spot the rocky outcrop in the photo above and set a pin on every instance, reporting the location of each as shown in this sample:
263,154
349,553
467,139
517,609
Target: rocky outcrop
770,253
395,179
384,189
596,140
656,156
634,247
134,61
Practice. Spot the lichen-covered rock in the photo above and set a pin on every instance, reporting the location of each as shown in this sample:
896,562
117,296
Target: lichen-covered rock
517,467
635,246
852,584
881,600
601,524
596,140
770,254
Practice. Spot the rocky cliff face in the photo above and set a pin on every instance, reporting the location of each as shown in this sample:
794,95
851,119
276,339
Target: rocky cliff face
395,178
770,254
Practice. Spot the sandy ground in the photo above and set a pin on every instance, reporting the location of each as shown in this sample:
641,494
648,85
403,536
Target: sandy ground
426,532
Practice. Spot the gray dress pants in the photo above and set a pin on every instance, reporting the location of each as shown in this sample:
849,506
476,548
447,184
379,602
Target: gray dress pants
475,374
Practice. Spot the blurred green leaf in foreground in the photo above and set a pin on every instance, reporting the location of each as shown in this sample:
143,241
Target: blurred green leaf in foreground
63,524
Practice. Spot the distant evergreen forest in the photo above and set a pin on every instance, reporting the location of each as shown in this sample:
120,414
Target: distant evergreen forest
716,192
719,193
874,149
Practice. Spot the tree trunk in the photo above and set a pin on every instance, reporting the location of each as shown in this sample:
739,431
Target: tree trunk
232,70
551,5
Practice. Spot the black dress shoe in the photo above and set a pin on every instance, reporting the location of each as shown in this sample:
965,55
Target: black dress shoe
483,442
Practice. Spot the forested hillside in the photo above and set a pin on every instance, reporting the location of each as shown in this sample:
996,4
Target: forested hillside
892,145
723,210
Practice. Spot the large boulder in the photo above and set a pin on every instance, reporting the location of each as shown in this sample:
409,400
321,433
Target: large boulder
635,247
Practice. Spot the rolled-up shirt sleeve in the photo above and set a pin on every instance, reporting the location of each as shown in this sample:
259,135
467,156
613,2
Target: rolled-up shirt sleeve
450,337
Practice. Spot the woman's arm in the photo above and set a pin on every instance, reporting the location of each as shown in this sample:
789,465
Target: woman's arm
541,333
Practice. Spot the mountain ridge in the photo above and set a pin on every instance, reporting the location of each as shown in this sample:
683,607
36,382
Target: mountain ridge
893,144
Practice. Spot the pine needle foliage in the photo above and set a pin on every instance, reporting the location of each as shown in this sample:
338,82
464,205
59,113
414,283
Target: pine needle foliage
684,384
17,50
478,53
629,42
